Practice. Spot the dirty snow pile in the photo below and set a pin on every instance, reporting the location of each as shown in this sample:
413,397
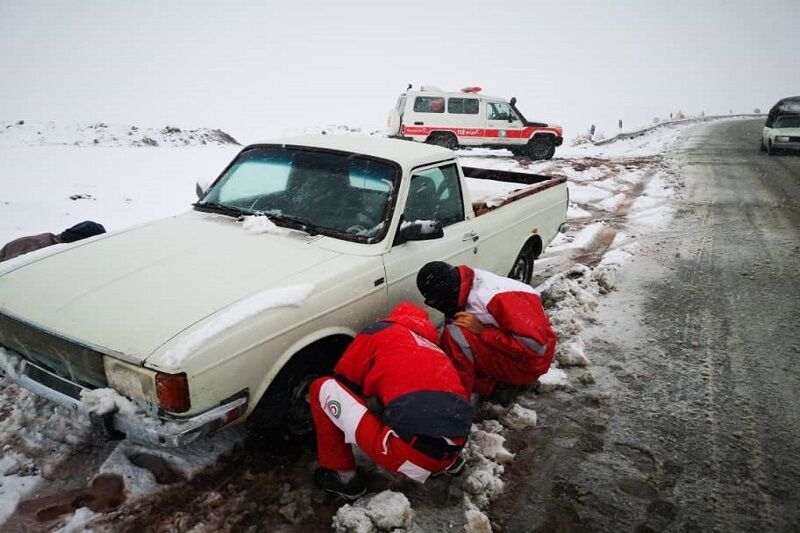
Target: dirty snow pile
23,133
385,511
36,437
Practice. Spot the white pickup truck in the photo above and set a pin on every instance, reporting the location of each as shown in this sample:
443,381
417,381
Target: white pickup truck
221,314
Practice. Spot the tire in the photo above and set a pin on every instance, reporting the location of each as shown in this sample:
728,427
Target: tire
770,149
762,147
516,151
445,140
393,125
282,417
540,148
522,270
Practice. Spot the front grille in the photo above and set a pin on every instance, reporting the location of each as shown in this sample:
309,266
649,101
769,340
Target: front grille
72,361
794,139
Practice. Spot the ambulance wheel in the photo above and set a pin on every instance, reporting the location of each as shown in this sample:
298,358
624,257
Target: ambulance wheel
762,147
540,148
445,140
523,265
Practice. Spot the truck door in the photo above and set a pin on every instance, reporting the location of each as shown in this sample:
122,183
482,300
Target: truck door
502,124
434,194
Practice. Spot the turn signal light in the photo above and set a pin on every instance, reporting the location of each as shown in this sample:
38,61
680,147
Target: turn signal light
173,392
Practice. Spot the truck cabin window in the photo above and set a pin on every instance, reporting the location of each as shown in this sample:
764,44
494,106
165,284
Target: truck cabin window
339,195
435,194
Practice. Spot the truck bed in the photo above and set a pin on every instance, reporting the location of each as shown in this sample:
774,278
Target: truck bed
490,188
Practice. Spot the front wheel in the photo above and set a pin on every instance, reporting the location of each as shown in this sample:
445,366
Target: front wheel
770,149
523,265
542,148
283,416
762,147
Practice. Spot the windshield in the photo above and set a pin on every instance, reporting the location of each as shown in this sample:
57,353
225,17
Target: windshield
337,194
788,122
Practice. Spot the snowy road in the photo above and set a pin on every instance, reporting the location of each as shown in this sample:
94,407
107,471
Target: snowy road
693,423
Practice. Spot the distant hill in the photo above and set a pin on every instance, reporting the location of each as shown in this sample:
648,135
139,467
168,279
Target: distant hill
23,133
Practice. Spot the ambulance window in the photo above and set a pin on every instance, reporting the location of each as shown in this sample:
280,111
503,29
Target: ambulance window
429,104
462,106
498,111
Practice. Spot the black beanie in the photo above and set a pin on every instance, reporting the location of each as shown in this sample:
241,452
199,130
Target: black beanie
439,283
82,230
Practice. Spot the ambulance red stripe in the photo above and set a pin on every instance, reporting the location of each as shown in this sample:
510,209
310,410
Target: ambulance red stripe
523,133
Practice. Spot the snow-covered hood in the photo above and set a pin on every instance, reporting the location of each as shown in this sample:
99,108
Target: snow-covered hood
130,292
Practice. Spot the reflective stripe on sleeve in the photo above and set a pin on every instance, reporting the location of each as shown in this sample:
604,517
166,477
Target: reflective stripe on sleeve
530,343
458,336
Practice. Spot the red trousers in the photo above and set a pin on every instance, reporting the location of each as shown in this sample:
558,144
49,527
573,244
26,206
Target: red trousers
481,365
341,419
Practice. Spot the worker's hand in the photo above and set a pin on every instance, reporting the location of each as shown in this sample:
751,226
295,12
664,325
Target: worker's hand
467,320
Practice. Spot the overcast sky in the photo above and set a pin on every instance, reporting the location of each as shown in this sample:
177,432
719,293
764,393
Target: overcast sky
257,69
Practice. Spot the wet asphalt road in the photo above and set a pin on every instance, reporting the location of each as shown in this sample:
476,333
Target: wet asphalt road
693,422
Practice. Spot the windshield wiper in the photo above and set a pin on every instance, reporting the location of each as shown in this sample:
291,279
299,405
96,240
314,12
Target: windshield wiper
294,223
221,208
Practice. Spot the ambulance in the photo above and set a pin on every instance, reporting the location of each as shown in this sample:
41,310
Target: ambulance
468,118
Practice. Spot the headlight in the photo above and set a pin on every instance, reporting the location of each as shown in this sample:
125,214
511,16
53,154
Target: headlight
782,139
135,382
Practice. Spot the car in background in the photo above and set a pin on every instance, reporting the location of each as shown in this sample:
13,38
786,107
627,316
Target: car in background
782,127
466,118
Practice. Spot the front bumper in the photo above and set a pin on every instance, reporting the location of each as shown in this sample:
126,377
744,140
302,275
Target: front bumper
786,145
169,432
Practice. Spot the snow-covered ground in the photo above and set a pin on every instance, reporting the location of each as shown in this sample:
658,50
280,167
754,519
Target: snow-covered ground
618,192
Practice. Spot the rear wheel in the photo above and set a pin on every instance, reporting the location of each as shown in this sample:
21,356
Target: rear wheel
541,148
445,140
523,265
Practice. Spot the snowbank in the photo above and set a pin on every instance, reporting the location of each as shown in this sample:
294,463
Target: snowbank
23,133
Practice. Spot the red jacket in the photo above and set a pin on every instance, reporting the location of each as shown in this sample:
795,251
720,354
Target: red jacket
397,361
515,324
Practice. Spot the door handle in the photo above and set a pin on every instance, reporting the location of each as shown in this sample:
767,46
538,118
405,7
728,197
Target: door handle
419,123
471,236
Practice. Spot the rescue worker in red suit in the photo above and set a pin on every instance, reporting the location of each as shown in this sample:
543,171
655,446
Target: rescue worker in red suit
496,328
426,418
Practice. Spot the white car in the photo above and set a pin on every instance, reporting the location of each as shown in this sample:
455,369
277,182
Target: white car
467,118
226,312
783,135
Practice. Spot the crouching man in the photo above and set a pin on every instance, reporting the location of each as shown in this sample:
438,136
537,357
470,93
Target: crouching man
426,417
496,328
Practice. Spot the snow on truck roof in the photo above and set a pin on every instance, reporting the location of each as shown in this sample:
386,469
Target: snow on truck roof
406,153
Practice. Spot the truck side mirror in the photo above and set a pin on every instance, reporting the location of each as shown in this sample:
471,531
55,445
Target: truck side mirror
201,186
419,230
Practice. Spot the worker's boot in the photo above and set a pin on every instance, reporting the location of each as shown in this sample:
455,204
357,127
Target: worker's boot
455,469
329,481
